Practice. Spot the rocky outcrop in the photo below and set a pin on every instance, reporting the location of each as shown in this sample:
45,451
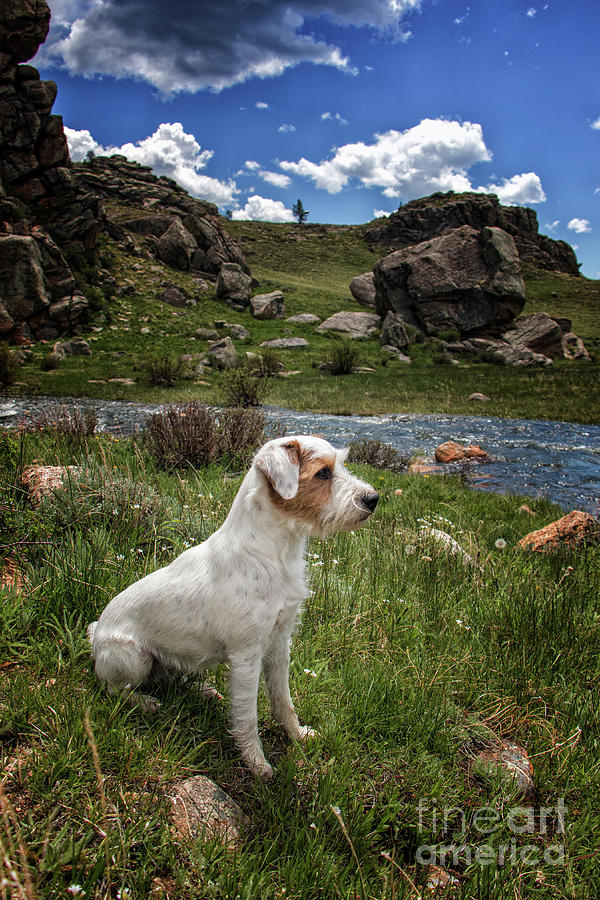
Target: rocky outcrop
465,280
358,325
433,216
184,232
43,213
234,286
362,289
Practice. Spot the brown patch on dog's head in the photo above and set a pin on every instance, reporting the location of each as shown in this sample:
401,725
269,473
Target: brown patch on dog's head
314,486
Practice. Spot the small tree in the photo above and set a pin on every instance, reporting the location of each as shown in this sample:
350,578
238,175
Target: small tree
299,211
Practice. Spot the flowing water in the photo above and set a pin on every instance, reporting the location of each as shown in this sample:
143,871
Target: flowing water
556,460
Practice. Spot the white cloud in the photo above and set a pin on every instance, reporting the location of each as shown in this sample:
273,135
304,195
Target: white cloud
278,179
595,124
552,226
260,104
169,151
433,156
286,128
334,117
251,165
262,209
531,12
522,189
579,226
187,47
379,213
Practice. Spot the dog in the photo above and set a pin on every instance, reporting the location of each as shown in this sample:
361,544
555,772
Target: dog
236,597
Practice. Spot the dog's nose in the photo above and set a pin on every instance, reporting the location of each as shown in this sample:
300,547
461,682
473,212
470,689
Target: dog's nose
370,501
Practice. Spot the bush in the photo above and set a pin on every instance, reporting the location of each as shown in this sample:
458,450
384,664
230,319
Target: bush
8,365
269,362
76,422
244,386
49,363
193,435
377,454
165,369
344,358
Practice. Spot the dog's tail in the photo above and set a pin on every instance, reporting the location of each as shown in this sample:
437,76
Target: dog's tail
90,633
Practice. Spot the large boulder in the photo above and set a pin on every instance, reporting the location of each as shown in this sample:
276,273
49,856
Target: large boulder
234,285
432,216
23,287
268,306
393,332
362,289
542,333
358,325
574,530
223,354
465,280
176,246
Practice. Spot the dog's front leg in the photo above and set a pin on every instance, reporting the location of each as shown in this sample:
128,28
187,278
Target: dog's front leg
244,678
276,667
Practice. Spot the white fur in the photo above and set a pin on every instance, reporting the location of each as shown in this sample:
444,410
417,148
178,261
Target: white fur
234,598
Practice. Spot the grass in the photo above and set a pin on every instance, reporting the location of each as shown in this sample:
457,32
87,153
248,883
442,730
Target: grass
313,266
402,655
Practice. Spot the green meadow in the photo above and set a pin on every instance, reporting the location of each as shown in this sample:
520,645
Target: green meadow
405,660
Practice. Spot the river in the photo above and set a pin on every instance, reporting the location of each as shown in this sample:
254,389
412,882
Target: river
559,461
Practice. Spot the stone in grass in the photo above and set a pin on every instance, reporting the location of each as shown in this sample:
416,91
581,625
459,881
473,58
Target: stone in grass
43,481
439,880
207,334
357,325
222,354
268,306
291,343
200,808
304,319
573,530
394,353
478,397
236,331
504,761
75,347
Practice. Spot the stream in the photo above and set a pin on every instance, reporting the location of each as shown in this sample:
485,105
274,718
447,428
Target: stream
559,461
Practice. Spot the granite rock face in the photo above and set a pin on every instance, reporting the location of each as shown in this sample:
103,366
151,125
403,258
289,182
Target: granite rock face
433,216
465,280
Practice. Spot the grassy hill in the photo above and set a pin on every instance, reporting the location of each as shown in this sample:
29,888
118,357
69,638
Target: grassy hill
312,265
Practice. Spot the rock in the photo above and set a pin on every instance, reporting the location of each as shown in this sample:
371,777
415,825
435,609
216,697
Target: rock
393,332
201,809
429,217
506,761
304,319
573,347
362,289
237,331
24,289
510,354
464,280
477,397
291,343
538,332
576,529
526,510
233,285
41,482
75,347
451,451
222,354
439,880
23,27
449,543
176,246
418,467
207,334
357,325
268,306
176,296
396,354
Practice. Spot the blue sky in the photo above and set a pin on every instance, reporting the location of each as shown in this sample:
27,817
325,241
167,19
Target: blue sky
353,107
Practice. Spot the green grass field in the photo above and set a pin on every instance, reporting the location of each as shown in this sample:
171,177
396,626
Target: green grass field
402,657
313,266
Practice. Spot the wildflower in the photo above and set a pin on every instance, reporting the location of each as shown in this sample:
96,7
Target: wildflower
336,810
75,889
310,672
185,506
140,550
500,544
385,600
120,556
426,559
312,825
136,505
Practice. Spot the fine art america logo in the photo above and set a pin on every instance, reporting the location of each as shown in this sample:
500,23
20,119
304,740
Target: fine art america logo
496,836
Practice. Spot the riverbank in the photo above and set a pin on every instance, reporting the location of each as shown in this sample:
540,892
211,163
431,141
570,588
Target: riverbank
404,660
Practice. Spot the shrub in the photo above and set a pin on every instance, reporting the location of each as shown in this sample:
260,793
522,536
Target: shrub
377,454
193,435
165,369
76,422
244,386
49,363
269,362
8,365
344,358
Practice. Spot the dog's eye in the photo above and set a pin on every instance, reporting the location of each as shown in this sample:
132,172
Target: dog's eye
324,473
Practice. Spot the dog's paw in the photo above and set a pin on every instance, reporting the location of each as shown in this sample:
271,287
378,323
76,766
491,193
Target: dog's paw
305,733
145,702
207,692
261,770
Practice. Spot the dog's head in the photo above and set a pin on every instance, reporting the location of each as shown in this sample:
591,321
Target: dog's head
306,480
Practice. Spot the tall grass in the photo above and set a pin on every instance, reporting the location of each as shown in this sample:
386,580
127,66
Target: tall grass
402,656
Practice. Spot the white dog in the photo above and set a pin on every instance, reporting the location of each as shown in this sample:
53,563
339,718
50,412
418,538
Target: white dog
236,597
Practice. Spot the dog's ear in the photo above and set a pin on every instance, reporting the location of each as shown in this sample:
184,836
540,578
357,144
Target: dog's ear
280,464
